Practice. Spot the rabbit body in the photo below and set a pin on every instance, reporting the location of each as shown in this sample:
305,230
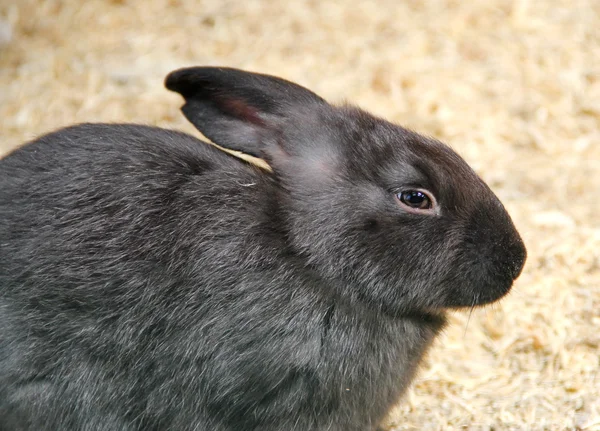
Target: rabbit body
149,281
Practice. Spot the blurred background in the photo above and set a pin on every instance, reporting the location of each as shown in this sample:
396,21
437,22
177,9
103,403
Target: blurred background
512,85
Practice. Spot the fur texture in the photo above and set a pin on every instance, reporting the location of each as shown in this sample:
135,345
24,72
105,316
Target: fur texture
149,281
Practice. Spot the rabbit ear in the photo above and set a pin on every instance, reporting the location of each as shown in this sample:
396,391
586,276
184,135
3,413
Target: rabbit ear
236,109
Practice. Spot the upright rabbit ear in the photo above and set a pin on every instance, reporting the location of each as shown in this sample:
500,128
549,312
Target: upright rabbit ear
236,109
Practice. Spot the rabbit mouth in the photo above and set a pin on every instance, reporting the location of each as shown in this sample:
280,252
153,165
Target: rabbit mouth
480,297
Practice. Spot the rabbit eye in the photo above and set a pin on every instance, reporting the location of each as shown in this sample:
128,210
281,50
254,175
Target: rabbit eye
415,199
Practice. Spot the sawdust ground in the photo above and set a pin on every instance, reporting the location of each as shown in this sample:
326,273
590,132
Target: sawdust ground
514,86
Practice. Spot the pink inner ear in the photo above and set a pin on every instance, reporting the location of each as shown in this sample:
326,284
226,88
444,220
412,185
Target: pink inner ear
237,108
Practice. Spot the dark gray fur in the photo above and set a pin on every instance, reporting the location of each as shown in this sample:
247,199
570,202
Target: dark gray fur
149,281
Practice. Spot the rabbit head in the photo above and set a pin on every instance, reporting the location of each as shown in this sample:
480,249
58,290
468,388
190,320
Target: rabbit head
400,219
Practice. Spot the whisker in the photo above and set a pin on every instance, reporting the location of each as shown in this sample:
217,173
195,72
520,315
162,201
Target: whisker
475,298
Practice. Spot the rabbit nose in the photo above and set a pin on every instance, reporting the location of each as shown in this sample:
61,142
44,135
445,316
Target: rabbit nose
519,253
495,243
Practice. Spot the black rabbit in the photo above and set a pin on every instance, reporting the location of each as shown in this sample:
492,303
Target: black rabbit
149,281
